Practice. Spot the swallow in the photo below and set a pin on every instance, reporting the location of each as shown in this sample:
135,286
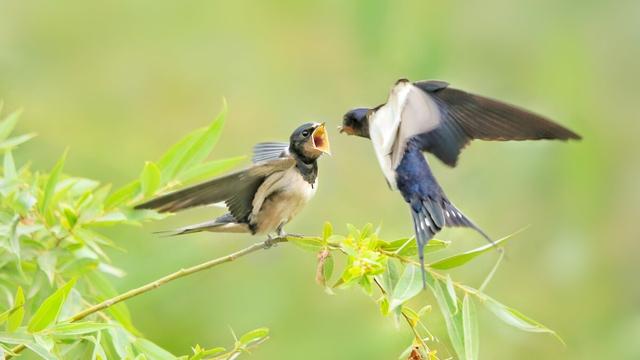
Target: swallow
430,116
263,198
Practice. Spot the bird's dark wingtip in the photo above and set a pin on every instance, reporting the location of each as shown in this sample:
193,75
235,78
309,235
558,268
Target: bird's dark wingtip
154,204
167,233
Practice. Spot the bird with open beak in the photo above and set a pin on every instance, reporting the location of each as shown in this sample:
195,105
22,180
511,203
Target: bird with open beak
433,117
262,198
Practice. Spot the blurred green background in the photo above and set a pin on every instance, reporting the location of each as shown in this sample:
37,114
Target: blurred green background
120,81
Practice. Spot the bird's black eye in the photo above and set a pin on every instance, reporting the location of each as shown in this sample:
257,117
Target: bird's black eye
305,133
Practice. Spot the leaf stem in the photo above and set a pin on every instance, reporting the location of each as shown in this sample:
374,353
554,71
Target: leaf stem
166,279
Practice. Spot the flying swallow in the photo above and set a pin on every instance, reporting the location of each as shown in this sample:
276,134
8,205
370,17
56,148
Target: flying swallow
433,117
262,198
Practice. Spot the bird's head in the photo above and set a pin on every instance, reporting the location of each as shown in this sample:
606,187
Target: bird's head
356,122
309,141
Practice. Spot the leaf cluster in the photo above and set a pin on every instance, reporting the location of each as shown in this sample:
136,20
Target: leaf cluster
389,274
54,255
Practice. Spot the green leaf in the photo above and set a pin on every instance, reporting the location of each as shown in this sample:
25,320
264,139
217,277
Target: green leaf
324,270
408,246
470,327
15,318
327,270
41,351
70,217
451,292
15,338
209,169
408,286
120,339
214,351
47,263
384,306
9,166
45,341
78,267
5,315
254,335
365,285
327,231
98,351
201,148
50,308
391,275
50,187
517,319
150,179
314,244
169,161
8,124
15,141
80,328
353,231
152,350
111,218
123,195
465,257
452,319
366,231
14,238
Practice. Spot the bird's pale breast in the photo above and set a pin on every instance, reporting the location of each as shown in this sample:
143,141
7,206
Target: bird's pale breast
279,199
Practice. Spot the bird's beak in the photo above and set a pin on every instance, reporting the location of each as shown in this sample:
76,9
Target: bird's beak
321,139
346,130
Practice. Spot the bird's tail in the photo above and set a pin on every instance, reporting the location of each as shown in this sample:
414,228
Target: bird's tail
455,218
225,223
429,217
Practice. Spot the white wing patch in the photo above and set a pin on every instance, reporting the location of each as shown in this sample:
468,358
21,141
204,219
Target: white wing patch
419,115
407,113
383,129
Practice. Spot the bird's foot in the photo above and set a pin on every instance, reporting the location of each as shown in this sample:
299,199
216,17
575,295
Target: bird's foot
270,242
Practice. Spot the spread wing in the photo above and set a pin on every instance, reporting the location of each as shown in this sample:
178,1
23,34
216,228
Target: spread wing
454,117
269,151
236,189
443,120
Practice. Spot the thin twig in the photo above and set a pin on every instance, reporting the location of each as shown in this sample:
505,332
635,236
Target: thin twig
156,284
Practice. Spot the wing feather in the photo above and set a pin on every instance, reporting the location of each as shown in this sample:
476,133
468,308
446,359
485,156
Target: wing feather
236,189
269,151
465,116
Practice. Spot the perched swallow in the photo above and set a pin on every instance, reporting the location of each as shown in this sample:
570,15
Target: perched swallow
262,198
431,116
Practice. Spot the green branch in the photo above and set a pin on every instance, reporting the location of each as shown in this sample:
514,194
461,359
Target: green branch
162,281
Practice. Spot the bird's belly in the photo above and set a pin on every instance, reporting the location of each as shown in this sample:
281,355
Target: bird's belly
289,196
